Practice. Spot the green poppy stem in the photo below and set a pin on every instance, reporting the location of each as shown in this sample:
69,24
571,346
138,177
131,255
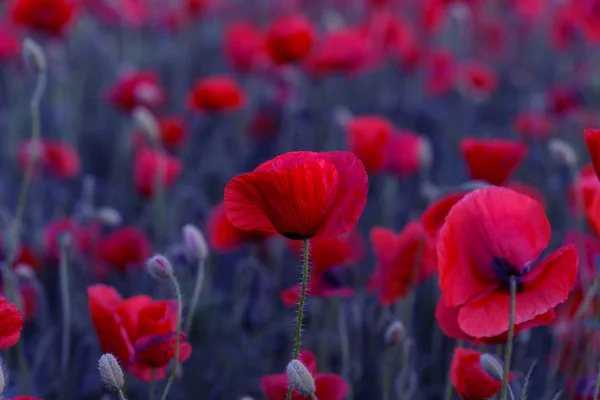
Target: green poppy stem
511,334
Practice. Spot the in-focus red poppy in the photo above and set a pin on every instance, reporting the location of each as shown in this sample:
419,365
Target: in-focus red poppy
126,247
326,253
300,195
289,39
408,154
172,131
440,72
49,16
10,43
592,140
369,138
137,89
57,158
470,379
403,261
244,46
328,386
563,100
223,236
492,160
342,51
137,331
12,324
492,235
82,237
434,216
447,318
216,94
151,165
531,125
478,79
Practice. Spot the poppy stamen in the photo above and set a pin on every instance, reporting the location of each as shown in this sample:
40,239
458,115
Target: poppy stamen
505,270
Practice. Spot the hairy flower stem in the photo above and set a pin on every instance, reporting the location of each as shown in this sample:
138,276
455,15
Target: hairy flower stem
177,336
510,339
195,295
300,308
121,395
66,314
597,388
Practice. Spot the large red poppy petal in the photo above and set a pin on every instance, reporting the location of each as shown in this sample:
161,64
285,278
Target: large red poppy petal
487,223
592,139
274,387
447,318
330,387
12,324
435,215
492,160
295,202
129,310
309,360
351,196
384,244
549,285
469,378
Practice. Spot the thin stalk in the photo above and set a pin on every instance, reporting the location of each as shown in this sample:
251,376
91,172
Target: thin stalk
510,339
66,312
121,395
305,272
177,337
387,372
344,345
597,388
448,392
195,295
151,389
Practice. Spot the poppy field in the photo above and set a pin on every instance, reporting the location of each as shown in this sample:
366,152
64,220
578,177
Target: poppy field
300,199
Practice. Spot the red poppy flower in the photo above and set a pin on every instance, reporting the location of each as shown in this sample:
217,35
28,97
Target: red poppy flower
59,159
289,39
344,50
125,247
403,261
132,13
328,386
478,78
533,126
447,318
369,138
82,237
134,329
592,140
244,46
492,160
172,131
196,8
407,154
216,93
10,43
25,398
29,301
469,378
223,236
137,89
151,165
586,185
441,72
265,123
434,216
433,13
51,16
326,253
12,323
562,100
489,236
299,195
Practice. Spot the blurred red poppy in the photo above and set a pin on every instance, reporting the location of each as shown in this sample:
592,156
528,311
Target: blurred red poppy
490,236
244,46
126,247
328,386
403,261
592,140
299,195
492,160
447,318
49,16
82,237
12,324
563,100
172,131
289,39
151,165
137,331
532,125
24,398
440,71
10,42
369,138
216,93
586,185
137,89
407,154
132,13
57,158
196,8
265,123
223,236
478,78
469,378
434,216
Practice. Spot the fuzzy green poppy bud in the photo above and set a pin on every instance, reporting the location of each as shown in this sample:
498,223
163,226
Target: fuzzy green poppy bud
111,372
491,366
160,267
195,242
109,216
562,152
394,334
300,378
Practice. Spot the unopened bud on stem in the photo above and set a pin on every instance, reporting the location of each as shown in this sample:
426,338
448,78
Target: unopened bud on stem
111,372
146,123
300,378
195,242
394,334
160,267
491,366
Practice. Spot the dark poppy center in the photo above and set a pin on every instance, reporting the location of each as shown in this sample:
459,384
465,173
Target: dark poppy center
505,270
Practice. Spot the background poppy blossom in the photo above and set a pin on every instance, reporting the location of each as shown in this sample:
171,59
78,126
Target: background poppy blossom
492,160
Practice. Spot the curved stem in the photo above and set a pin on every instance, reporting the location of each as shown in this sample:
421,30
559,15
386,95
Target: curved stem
511,334
597,388
66,312
344,345
305,271
177,336
195,295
